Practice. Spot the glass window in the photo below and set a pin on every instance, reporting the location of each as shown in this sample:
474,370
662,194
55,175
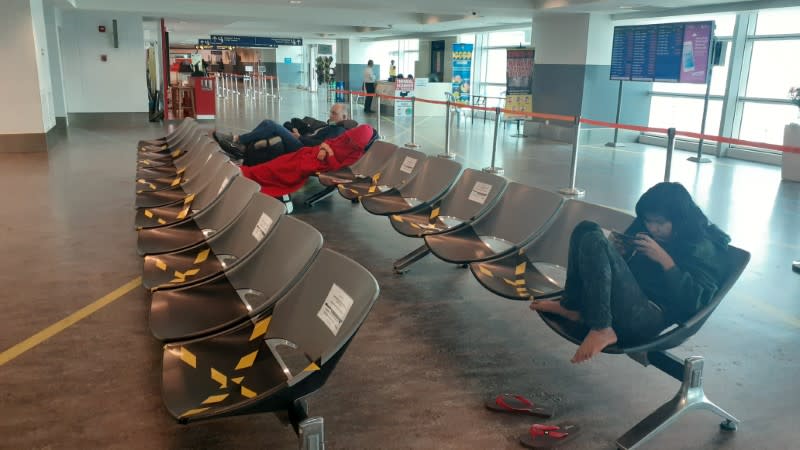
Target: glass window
406,63
764,122
774,68
508,38
496,66
778,21
685,114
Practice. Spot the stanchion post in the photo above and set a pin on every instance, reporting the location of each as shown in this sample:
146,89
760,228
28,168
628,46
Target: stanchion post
494,169
350,95
413,144
670,149
573,163
447,120
378,123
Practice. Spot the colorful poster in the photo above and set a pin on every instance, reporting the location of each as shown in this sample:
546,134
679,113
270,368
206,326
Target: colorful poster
694,58
404,87
462,68
519,79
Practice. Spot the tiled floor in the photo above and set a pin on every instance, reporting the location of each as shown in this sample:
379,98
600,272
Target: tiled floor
435,345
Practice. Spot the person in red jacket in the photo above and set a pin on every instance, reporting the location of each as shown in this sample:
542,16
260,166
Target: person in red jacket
287,173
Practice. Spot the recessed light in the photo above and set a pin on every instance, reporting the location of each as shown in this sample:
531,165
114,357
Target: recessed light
295,2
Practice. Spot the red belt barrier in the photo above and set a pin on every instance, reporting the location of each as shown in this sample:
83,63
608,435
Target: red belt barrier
571,119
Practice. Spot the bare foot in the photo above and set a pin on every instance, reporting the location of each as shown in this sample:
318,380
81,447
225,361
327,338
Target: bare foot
555,307
594,343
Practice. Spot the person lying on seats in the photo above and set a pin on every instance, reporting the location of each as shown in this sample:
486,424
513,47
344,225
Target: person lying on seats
258,139
668,265
287,173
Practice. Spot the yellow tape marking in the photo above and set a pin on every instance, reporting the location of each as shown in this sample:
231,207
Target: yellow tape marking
219,377
180,171
215,399
191,272
68,321
247,361
184,212
397,218
248,393
161,264
162,222
189,198
148,213
237,380
520,268
260,329
202,256
176,182
486,271
435,213
188,357
313,367
193,412
175,154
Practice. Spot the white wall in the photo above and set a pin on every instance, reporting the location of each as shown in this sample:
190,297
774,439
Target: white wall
52,20
43,65
118,85
22,110
561,38
601,37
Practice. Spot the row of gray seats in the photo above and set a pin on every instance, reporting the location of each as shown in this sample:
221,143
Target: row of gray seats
515,239
254,313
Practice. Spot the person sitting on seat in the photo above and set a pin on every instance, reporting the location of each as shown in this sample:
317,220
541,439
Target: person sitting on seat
287,173
668,265
258,139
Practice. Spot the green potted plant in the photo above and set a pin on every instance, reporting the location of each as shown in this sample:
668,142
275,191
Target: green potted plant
790,162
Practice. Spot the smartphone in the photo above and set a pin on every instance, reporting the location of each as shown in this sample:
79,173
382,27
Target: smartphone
626,239
688,56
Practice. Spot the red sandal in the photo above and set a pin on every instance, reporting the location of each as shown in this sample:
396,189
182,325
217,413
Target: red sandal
541,436
517,404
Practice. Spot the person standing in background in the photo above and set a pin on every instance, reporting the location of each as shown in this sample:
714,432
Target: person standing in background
392,71
369,85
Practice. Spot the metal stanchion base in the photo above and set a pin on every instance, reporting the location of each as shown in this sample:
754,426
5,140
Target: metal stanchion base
615,144
577,192
519,135
796,266
447,155
698,160
412,145
494,170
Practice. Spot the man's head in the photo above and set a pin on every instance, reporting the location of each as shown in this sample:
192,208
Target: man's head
338,113
370,63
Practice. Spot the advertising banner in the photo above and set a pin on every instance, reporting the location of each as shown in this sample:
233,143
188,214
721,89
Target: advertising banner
404,87
462,67
519,79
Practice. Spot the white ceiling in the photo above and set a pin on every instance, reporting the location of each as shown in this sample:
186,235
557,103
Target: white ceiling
189,20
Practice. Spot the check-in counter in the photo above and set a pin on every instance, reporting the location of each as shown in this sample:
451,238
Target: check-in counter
427,90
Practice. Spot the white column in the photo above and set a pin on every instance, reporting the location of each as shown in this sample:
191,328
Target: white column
21,112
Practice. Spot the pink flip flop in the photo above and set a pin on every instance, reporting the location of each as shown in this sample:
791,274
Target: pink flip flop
542,436
517,404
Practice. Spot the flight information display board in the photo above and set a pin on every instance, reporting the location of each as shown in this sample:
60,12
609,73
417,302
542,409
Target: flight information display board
667,52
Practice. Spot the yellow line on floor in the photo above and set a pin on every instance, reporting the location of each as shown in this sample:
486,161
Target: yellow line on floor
68,321
775,313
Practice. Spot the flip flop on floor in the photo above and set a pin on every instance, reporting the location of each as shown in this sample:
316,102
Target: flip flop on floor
541,436
517,404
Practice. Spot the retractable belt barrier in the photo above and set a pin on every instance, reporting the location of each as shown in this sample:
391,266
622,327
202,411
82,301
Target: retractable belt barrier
571,120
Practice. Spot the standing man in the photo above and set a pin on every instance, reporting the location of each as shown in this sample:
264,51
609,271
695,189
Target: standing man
392,71
369,85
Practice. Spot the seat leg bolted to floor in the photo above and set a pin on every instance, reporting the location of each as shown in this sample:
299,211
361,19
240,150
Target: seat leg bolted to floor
312,434
323,194
690,396
401,265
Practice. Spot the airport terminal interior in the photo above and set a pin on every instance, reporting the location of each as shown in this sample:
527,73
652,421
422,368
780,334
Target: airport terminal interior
320,340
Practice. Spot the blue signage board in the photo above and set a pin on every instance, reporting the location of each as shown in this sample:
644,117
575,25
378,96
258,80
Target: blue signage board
253,41
287,60
669,52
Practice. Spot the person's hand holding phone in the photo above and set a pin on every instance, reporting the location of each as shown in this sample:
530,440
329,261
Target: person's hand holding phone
648,247
621,242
